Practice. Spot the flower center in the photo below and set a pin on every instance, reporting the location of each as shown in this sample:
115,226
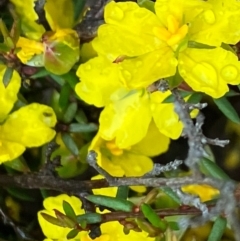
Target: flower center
173,33
113,148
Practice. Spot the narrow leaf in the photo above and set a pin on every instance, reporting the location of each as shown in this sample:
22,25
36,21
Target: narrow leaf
111,202
7,76
152,217
70,144
122,192
227,109
168,191
69,210
71,77
65,219
78,8
25,195
211,169
18,164
218,229
70,112
42,72
64,96
195,98
81,117
53,220
72,234
90,218
81,128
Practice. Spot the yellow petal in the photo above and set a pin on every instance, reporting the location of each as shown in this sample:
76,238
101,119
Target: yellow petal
30,28
98,144
29,48
10,150
9,93
165,118
87,52
153,144
142,71
134,165
205,192
115,232
127,118
179,9
108,191
33,124
209,70
128,31
59,14
99,79
52,231
218,24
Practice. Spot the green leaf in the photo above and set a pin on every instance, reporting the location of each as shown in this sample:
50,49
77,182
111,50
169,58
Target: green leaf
118,204
174,225
211,169
4,48
227,109
70,112
152,217
7,76
53,220
231,93
196,45
18,164
72,234
175,80
81,117
64,96
122,192
58,79
146,4
70,144
80,128
69,210
71,78
90,218
195,98
65,219
21,194
78,6
168,191
42,72
218,229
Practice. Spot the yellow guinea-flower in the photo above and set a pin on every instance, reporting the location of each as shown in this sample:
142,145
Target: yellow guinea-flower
183,35
29,126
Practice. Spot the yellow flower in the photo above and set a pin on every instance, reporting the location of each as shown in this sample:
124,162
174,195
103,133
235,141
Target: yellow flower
128,111
132,161
169,37
32,122
205,192
111,231
50,230
57,50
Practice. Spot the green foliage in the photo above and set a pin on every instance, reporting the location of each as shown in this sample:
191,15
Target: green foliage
111,202
218,229
227,109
